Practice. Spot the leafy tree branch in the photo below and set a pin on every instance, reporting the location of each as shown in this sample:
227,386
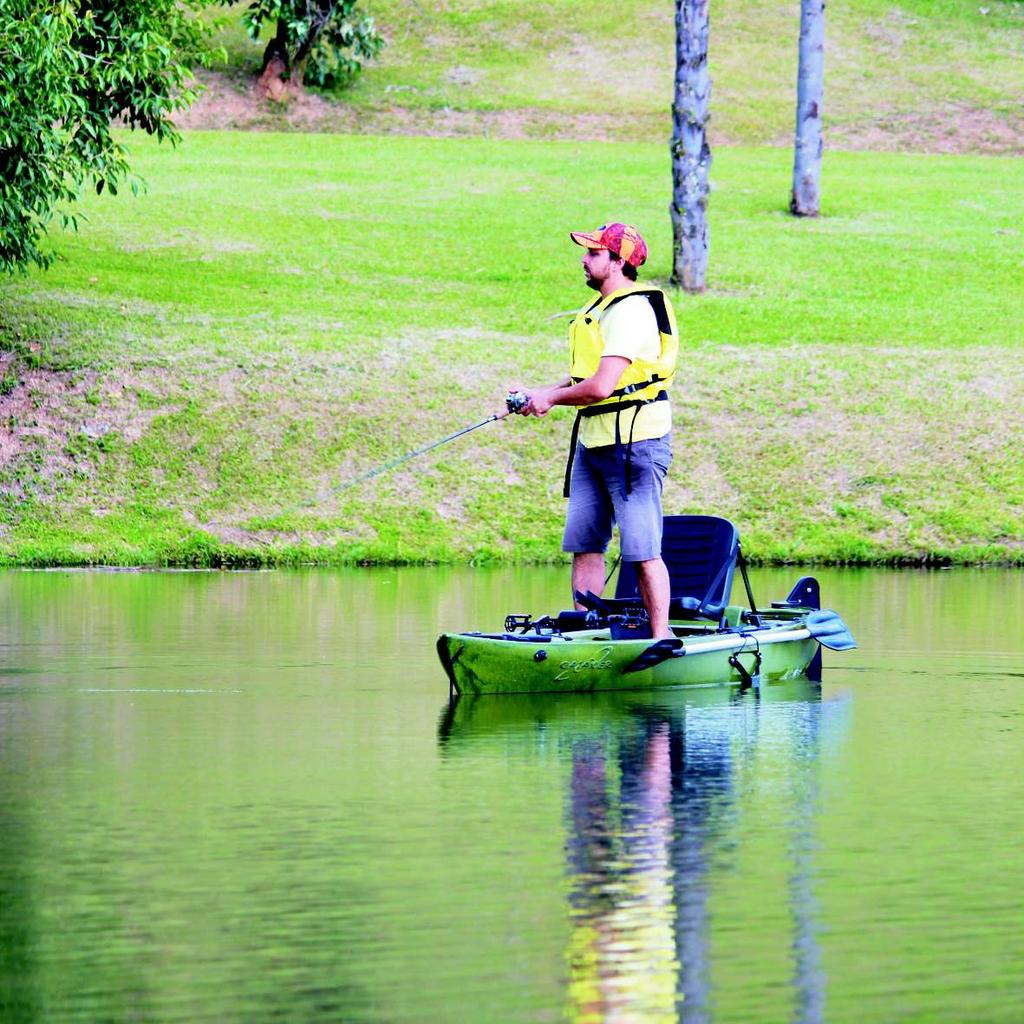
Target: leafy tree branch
68,71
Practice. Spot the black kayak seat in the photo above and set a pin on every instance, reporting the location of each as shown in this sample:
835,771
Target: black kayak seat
700,553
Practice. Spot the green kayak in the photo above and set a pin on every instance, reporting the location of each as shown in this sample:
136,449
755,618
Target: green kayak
782,645
605,644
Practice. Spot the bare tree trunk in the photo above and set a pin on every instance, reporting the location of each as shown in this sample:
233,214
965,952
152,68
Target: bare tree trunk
277,48
810,83
270,85
691,155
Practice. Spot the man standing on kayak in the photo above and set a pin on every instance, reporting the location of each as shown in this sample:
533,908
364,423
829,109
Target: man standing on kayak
623,347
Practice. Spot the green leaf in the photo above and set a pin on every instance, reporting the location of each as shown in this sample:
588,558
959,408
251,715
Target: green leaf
65,75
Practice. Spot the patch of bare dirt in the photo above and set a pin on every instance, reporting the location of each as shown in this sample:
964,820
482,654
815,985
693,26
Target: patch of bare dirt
50,421
953,128
238,537
229,103
892,31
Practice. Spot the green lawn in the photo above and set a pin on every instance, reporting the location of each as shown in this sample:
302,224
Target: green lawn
906,74
280,313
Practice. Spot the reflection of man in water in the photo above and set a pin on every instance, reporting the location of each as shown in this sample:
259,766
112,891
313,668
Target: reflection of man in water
642,829
622,960
637,860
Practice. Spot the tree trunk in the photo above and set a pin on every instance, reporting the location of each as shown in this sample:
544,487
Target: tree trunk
805,200
323,10
691,155
277,48
271,85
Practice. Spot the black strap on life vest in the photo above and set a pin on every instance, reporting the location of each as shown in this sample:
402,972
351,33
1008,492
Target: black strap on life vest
654,296
629,389
624,452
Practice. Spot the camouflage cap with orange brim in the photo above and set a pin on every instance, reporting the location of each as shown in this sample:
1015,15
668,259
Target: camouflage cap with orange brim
621,239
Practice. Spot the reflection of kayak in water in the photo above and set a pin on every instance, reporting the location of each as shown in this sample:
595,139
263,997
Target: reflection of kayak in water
573,715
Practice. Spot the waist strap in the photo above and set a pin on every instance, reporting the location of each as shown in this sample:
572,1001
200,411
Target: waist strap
603,410
629,389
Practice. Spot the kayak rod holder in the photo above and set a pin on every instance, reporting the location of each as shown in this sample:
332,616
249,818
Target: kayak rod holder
749,679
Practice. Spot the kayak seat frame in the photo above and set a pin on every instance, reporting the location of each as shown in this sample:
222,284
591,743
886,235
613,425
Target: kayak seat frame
700,553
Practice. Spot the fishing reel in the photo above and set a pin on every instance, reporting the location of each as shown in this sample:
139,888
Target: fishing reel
515,401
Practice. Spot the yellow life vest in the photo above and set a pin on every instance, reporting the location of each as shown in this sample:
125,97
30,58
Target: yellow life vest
642,379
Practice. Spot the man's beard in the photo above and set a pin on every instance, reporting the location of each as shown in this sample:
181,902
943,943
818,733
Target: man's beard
593,283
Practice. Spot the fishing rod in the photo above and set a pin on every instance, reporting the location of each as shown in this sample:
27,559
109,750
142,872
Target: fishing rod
514,402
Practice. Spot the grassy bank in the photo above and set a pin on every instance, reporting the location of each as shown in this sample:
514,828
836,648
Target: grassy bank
937,75
281,313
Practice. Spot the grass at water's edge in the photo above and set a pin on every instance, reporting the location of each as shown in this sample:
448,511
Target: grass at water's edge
209,553
279,314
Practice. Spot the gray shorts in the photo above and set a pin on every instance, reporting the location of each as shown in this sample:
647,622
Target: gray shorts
597,500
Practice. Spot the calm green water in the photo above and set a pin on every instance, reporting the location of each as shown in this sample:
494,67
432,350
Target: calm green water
243,797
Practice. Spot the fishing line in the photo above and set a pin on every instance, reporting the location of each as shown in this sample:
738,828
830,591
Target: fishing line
405,458
514,402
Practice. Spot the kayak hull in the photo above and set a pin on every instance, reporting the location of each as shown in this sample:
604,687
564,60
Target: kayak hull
590,661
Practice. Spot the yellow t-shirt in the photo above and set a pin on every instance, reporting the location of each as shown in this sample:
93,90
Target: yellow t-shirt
629,328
